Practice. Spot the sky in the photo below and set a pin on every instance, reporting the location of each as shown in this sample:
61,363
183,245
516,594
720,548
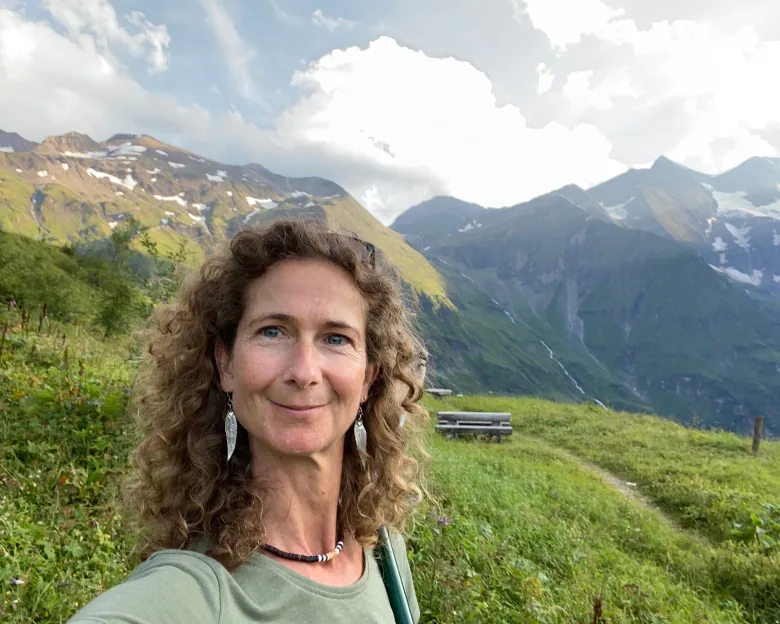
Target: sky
492,101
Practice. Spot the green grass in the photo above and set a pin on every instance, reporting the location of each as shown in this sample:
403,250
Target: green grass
707,480
536,538
521,532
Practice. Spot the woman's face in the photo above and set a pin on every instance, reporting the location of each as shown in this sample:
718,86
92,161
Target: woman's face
299,371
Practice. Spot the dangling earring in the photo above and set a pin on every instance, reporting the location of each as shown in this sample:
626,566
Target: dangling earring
361,437
231,429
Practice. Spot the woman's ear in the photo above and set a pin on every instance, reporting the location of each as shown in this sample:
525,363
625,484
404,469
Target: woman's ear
372,370
224,365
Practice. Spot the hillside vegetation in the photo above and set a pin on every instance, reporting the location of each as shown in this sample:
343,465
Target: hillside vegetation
524,531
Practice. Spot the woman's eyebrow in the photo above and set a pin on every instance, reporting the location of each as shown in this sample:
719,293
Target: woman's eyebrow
330,324
287,318
275,316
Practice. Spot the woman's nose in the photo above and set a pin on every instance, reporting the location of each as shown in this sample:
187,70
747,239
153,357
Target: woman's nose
304,368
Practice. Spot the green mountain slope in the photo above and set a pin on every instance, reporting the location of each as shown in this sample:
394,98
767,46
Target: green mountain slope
630,318
72,189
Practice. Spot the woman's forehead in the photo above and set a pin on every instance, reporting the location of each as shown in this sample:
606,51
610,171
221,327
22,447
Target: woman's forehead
307,289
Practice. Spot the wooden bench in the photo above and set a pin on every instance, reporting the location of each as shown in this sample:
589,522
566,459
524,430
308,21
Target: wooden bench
439,392
487,423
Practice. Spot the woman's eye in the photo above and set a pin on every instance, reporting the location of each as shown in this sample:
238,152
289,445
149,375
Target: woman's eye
337,340
270,332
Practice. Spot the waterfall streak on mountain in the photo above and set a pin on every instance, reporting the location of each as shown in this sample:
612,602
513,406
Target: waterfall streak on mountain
563,368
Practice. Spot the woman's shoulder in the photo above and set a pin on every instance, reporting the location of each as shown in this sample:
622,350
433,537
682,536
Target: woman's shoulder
170,586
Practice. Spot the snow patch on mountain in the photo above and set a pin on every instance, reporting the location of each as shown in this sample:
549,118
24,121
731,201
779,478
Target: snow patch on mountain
470,226
164,221
252,214
176,165
96,155
740,235
172,198
113,224
230,193
738,276
196,218
154,171
200,160
126,149
43,174
735,202
161,153
265,203
708,231
618,211
6,148
201,207
295,194
170,214
128,182
218,177
65,166
719,244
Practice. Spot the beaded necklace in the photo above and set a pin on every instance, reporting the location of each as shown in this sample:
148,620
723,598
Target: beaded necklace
305,558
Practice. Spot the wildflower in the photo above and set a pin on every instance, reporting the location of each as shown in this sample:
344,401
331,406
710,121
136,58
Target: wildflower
444,520
16,581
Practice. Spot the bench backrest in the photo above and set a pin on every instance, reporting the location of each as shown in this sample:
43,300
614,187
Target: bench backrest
482,417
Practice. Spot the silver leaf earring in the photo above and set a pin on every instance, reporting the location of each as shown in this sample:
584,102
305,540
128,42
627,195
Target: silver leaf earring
231,429
361,437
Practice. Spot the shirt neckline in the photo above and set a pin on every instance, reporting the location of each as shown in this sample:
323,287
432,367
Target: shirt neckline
304,582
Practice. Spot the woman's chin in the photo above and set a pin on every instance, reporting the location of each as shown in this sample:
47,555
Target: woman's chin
300,444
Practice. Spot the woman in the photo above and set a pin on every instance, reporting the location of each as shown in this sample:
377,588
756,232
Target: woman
276,412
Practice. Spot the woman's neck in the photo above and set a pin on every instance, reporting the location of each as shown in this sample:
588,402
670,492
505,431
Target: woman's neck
300,509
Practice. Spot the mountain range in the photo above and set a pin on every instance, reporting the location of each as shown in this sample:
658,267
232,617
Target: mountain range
658,290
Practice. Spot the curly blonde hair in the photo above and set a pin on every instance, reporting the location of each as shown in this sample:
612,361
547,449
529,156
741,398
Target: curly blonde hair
183,487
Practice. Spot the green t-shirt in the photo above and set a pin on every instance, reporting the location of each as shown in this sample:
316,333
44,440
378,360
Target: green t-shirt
187,586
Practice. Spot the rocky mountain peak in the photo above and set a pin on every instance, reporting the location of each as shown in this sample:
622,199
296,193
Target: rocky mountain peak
12,142
70,143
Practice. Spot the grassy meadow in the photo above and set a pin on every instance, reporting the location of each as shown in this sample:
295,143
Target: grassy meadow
523,531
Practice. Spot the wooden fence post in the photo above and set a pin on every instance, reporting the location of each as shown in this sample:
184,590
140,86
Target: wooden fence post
759,428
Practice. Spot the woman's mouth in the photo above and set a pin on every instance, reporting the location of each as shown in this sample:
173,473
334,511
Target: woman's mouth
298,411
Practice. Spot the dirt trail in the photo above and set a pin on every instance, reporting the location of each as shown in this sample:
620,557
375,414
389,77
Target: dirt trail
625,487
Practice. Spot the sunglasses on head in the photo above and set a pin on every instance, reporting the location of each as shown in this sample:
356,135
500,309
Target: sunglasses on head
369,247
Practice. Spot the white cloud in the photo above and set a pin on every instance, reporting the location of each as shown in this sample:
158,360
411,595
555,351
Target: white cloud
392,125
566,21
404,111
582,95
718,79
237,53
95,22
546,78
330,23
282,16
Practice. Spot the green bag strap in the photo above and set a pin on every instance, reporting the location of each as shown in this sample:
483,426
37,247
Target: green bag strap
388,566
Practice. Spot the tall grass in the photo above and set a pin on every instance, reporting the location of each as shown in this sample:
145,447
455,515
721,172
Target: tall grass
522,533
